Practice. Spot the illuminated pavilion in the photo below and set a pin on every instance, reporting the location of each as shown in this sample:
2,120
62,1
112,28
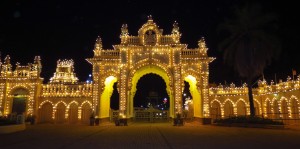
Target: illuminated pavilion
66,100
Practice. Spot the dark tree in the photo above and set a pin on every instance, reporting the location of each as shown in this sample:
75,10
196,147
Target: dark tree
250,43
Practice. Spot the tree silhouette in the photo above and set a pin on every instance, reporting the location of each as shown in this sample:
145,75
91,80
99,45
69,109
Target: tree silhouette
250,43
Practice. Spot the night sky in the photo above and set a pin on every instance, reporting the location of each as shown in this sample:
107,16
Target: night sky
68,29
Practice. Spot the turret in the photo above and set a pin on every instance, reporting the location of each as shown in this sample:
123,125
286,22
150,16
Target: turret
98,47
175,32
37,66
124,33
202,47
6,69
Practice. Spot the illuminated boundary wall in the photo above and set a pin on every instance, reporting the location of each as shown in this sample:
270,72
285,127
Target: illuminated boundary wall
69,101
276,101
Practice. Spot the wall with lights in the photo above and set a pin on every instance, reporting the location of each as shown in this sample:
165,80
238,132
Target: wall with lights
64,99
276,101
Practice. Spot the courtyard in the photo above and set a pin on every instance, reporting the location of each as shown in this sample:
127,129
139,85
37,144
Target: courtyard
149,135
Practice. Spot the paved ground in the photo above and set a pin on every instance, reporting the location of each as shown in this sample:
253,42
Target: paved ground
149,135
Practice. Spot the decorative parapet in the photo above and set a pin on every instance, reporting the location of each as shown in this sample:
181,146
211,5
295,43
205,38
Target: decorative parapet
29,71
67,90
220,90
262,89
289,85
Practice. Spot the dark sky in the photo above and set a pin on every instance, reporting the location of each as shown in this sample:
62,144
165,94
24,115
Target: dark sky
68,29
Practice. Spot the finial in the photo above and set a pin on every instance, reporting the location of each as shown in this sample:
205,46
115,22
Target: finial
7,60
98,44
150,18
201,43
124,30
175,24
175,29
37,59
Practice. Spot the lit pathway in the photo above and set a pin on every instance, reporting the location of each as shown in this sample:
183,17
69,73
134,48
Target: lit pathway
149,135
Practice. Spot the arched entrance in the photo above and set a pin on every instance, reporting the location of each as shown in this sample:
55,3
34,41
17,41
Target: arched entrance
19,101
216,110
196,111
60,114
73,113
151,100
86,112
46,111
241,108
142,72
104,105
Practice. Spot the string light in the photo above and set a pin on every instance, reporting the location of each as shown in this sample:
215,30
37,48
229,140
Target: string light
149,52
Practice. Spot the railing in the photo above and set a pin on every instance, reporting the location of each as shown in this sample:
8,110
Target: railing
282,86
110,53
134,40
114,114
166,40
151,116
189,52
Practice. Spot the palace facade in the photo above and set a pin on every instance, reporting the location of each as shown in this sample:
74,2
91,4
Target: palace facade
66,100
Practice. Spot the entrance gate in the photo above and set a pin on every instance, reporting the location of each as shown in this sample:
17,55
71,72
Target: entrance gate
150,52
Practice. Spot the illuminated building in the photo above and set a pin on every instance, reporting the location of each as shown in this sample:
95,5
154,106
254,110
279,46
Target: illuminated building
65,99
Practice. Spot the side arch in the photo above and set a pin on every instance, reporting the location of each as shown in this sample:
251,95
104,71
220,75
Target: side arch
284,108
85,111
228,108
196,95
45,112
241,107
257,107
72,112
295,109
104,104
268,108
216,109
60,112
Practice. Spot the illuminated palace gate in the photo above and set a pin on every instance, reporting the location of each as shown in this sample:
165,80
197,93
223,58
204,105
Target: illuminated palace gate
150,52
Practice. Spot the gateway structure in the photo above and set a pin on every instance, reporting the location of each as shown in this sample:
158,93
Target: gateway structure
66,100
150,52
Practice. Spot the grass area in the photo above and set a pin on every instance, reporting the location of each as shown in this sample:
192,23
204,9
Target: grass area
247,120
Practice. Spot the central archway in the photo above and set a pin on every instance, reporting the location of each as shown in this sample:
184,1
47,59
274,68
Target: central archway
140,73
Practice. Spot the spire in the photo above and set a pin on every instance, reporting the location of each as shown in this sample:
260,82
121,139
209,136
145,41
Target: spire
7,60
37,59
98,44
150,18
202,46
175,29
124,30
201,43
38,65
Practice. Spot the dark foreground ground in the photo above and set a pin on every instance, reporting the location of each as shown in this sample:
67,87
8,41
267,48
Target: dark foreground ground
149,135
